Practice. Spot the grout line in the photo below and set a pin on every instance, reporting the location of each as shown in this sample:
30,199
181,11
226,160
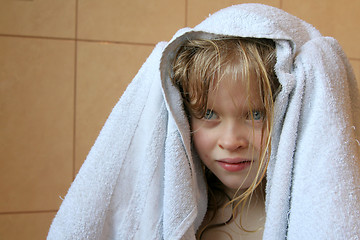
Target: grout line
281,4
79,40
75,91
186,13
117,42
29,212
37,37
353,59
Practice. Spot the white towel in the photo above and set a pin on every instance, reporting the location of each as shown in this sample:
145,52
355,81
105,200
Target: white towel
140,180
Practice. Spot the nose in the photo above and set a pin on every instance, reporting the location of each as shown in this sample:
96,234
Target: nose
233,137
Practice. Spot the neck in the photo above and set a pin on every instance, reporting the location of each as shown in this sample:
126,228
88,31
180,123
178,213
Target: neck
221,223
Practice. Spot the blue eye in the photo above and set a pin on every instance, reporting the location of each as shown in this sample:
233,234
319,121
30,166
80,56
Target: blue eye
257,115
210,115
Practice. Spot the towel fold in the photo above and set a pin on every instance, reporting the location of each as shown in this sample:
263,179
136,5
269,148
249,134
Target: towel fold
120,191
142,181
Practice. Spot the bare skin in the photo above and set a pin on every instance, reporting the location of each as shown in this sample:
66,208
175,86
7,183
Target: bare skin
253,219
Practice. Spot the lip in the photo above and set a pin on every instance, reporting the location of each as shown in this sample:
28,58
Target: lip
234,164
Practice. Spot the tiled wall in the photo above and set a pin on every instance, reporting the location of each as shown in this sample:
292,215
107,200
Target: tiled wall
65,63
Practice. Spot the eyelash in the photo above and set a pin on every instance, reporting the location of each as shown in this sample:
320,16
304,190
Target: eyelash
209,114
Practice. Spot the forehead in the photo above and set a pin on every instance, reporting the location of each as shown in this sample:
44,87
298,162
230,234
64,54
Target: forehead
233,91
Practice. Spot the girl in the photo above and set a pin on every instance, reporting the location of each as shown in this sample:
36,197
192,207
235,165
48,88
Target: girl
228,85
249,92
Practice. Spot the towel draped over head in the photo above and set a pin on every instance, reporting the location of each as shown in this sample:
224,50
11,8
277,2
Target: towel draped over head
141,179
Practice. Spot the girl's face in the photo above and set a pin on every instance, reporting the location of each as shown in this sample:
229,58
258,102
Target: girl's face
228,139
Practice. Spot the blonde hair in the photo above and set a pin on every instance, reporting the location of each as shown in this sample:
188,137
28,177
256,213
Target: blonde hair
200,65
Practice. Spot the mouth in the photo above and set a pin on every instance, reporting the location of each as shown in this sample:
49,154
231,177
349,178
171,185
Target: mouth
234,164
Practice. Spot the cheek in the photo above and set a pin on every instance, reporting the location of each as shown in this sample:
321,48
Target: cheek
202,139
201,144
258,140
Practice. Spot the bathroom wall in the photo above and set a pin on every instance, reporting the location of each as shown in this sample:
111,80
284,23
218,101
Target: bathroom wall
63,66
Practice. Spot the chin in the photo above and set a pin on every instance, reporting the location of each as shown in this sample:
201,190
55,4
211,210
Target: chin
235,186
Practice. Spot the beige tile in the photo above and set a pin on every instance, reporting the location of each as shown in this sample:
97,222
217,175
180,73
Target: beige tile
36,122
32,226
199,10
54,18
339,19
104,71
130,20
356,67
